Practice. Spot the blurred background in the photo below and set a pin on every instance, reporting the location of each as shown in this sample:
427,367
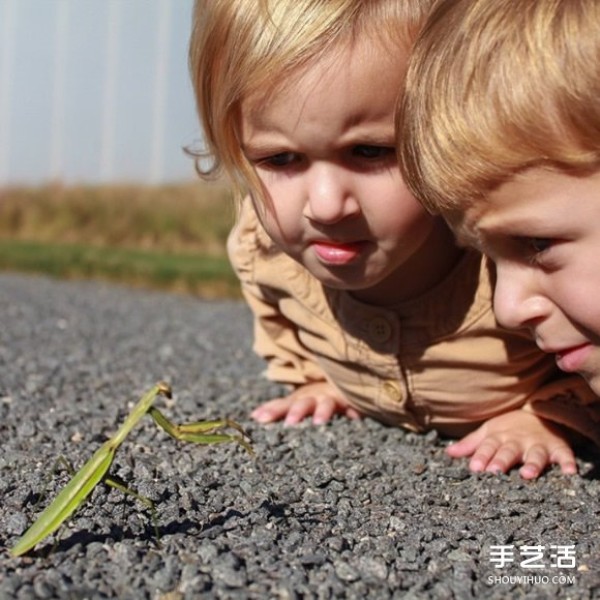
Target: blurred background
96,106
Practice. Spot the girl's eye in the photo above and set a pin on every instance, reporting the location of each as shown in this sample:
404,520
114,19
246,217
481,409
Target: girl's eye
372,152
283,159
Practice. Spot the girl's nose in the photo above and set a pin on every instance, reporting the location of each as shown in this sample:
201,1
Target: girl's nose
330,196
517,301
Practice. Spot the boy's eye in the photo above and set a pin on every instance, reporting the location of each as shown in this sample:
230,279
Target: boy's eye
538,244
372,152
539,251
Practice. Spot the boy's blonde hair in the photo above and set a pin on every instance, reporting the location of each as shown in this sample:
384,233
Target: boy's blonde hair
248,48
495,87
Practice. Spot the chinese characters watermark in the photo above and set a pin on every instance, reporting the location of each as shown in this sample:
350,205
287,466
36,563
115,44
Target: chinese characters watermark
532,558
561,557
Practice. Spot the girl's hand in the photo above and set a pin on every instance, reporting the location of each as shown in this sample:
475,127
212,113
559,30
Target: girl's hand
321,400
514,438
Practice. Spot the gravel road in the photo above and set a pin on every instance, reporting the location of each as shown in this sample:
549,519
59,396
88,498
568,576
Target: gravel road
352,509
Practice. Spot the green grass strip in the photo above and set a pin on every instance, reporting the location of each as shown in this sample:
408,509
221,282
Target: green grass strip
193,273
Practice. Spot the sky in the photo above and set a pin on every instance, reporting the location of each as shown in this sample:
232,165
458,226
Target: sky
95,91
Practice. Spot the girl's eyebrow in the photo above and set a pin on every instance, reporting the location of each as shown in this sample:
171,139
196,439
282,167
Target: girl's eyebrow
374,140
371,133
264,148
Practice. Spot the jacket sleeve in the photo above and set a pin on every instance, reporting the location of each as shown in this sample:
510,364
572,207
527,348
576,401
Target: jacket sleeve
568,401
275,336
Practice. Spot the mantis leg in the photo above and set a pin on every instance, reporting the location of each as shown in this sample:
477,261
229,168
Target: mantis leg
203,432
143,499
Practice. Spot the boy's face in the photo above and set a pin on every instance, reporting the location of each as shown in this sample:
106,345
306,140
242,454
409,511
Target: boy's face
542,229
323,147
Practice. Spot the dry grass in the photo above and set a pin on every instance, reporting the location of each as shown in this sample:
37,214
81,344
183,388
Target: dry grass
169,237
178,218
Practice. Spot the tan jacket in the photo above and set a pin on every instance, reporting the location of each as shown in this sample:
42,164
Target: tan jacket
436,362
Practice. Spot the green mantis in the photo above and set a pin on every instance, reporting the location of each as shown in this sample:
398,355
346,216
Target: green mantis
96,468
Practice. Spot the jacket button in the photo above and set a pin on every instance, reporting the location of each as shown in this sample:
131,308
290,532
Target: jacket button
393,390
380,330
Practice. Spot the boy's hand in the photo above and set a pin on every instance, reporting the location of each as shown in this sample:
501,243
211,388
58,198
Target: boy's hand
516,437
321,400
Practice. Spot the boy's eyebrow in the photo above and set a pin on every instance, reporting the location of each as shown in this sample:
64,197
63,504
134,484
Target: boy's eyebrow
516,225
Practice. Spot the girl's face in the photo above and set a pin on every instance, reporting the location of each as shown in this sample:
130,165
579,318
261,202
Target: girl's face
323,148
542,229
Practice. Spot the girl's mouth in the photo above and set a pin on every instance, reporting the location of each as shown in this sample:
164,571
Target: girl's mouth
332,253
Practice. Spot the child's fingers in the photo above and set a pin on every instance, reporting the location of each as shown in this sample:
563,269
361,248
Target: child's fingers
539,457
564,457
328,406
325,408
535,460
466,446
510,454
318,399
308,400
483,454
491,457
512,439
353,414
273,410
506,456
300,408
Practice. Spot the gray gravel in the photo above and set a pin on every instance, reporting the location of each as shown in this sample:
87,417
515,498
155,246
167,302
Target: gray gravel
347,510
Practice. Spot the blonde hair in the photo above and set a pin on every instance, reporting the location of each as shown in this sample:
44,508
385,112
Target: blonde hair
495,87
239,48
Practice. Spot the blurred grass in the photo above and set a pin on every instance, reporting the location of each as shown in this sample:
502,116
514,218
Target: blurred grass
168,237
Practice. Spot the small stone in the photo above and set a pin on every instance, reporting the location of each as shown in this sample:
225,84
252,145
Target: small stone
345,571
16,524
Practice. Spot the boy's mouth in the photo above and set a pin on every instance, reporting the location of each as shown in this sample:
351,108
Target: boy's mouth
572,359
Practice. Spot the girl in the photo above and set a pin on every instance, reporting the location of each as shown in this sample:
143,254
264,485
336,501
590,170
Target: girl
363,303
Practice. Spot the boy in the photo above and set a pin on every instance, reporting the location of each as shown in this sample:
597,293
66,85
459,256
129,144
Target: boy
499,131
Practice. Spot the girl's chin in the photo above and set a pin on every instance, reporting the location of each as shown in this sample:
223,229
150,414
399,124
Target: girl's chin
336,279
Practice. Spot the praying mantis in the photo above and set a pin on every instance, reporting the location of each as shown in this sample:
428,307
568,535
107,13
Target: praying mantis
96,468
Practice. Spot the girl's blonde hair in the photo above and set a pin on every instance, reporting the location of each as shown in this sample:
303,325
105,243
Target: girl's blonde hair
495,87
243,48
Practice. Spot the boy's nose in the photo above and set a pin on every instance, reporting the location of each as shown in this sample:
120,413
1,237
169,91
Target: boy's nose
329,195
517,302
